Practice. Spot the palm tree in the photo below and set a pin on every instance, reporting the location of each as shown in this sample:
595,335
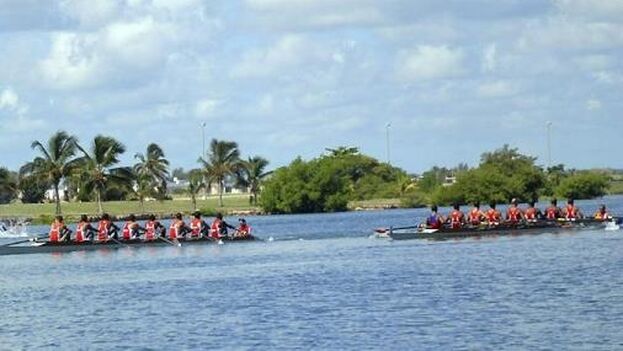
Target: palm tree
96,167
195,184
223,161
153,166
250,175
55,163
8,186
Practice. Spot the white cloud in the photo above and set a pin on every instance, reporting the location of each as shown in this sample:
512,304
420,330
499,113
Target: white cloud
8,99
500,88
592,9
565,33
489,58
593,104
430,62
205,108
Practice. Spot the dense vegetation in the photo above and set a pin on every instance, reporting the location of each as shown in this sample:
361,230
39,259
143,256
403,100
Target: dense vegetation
329,182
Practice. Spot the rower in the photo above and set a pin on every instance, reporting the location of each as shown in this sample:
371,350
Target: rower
106,228
456,217
58,230
178,228
218,229
513,214
475,215
131,229
84,230
602,214
151,227
198,227
244,230
434,220
553,212
572,212
493,216
532,213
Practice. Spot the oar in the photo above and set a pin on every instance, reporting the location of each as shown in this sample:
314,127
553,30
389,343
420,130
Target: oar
26,240
178,244
118,242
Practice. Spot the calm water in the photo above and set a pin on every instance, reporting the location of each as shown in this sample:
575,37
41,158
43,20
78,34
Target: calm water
324,284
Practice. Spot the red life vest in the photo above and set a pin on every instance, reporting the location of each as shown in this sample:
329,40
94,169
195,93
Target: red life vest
513,214
474,216
552,212
127,231
530,214
195,227
244,229
493,216
55,232
174,229
150,230
570,212
80,237
102,230
215,228
456,218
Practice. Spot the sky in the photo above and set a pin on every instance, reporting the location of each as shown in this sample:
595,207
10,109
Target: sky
288,78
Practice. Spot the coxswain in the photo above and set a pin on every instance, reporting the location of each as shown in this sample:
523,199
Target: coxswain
456,217
513,213
532,213
243,230
602,214
493,216
84,230
177,229
58,230
434,220
218,229
152,227
571,211
131,228
475,215
553,212
106,228
198,227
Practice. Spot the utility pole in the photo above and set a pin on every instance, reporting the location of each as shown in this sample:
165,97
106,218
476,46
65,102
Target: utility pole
387,126
549,144
203,156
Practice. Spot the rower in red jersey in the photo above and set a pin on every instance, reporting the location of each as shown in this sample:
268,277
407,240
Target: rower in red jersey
58,230
178,228
218,229
475,215
106,228
198,227
84,230
513,214
434,220
532,213
456,217
131,228
153,228
553,212
243,230
493,216
571,211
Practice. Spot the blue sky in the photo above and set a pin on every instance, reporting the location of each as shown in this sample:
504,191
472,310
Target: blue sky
285,78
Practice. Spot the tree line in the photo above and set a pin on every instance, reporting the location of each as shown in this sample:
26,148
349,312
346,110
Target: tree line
95,173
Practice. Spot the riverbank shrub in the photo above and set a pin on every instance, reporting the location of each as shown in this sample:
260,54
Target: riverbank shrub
584,185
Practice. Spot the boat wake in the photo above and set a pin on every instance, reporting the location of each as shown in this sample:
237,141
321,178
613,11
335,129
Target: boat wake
13,230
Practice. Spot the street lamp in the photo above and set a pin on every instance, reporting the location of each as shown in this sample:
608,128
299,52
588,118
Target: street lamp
203,139
549,144
387,126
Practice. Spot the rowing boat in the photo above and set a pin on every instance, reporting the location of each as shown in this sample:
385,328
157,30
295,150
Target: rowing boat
526,228
36,247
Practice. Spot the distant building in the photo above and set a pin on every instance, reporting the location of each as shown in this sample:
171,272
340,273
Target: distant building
449,180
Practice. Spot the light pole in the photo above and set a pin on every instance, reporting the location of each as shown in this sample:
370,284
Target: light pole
549,144
387,126
203,155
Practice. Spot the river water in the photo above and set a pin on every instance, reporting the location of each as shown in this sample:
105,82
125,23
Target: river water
322,283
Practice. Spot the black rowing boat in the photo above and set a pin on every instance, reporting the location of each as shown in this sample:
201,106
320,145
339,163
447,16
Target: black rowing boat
525,228
35,247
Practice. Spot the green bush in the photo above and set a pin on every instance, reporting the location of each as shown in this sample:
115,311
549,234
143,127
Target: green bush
585,185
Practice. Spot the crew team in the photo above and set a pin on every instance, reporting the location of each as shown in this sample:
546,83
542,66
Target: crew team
456,219
152,230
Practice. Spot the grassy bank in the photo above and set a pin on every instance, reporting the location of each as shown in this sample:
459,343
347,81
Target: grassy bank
72,210
616,187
